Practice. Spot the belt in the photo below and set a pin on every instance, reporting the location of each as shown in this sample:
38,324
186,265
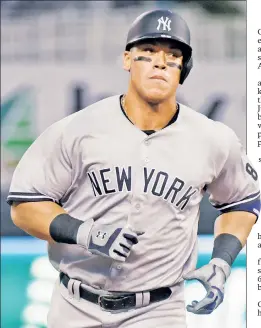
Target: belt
118,302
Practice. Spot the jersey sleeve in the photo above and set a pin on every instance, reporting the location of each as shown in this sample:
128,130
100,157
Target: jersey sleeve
236,185
44,172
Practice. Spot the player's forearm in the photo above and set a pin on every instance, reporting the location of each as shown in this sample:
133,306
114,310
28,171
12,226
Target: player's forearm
49,221
35,217
231,232
238,223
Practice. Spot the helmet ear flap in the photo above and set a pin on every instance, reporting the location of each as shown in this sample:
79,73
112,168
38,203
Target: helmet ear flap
185,70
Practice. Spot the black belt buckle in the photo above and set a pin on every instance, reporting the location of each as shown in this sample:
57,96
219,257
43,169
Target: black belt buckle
116,303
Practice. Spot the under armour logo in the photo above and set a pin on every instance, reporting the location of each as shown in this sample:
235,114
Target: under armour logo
101,234
165,23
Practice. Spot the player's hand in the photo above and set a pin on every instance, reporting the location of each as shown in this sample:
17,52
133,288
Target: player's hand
113,242
213,277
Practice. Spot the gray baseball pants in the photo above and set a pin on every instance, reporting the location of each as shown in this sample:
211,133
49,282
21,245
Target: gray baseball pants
69,311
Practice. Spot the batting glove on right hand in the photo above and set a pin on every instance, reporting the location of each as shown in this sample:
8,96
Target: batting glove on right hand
107,240
213,277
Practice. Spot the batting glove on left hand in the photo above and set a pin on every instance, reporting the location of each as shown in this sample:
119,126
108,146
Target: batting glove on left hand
213,277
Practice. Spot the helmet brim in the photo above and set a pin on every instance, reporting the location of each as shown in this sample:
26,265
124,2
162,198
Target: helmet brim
185,48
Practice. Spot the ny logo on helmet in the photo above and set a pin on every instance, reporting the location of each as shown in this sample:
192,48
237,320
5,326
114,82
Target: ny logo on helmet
164,23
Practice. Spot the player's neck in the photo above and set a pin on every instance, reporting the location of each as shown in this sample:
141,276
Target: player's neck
148,116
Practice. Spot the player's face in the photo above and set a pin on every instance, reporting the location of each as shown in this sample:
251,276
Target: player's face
154,69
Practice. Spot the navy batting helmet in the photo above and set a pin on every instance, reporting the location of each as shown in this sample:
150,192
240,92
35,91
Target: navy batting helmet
163,24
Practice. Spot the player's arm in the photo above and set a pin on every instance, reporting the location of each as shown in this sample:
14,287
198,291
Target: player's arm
235,193
39,183
41,180
232,228
236,223
239,204
35,217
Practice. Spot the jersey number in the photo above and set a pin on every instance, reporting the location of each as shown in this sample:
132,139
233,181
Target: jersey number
251,171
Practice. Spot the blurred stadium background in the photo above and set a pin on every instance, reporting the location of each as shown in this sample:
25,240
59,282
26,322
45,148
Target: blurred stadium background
58,57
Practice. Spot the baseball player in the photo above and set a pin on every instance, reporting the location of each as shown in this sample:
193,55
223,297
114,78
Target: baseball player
115,189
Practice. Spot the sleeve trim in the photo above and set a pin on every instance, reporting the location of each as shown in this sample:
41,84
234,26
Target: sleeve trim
25,194
251,207
27,197
247,199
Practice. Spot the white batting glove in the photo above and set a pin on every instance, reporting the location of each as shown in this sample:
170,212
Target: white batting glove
213,277
107,240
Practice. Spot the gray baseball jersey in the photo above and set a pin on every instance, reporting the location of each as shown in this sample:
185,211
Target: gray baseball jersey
97,164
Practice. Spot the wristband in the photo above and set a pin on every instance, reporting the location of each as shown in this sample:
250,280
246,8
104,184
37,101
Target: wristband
64,229
226,247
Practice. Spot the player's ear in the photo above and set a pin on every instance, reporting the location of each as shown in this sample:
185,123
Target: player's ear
126,60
